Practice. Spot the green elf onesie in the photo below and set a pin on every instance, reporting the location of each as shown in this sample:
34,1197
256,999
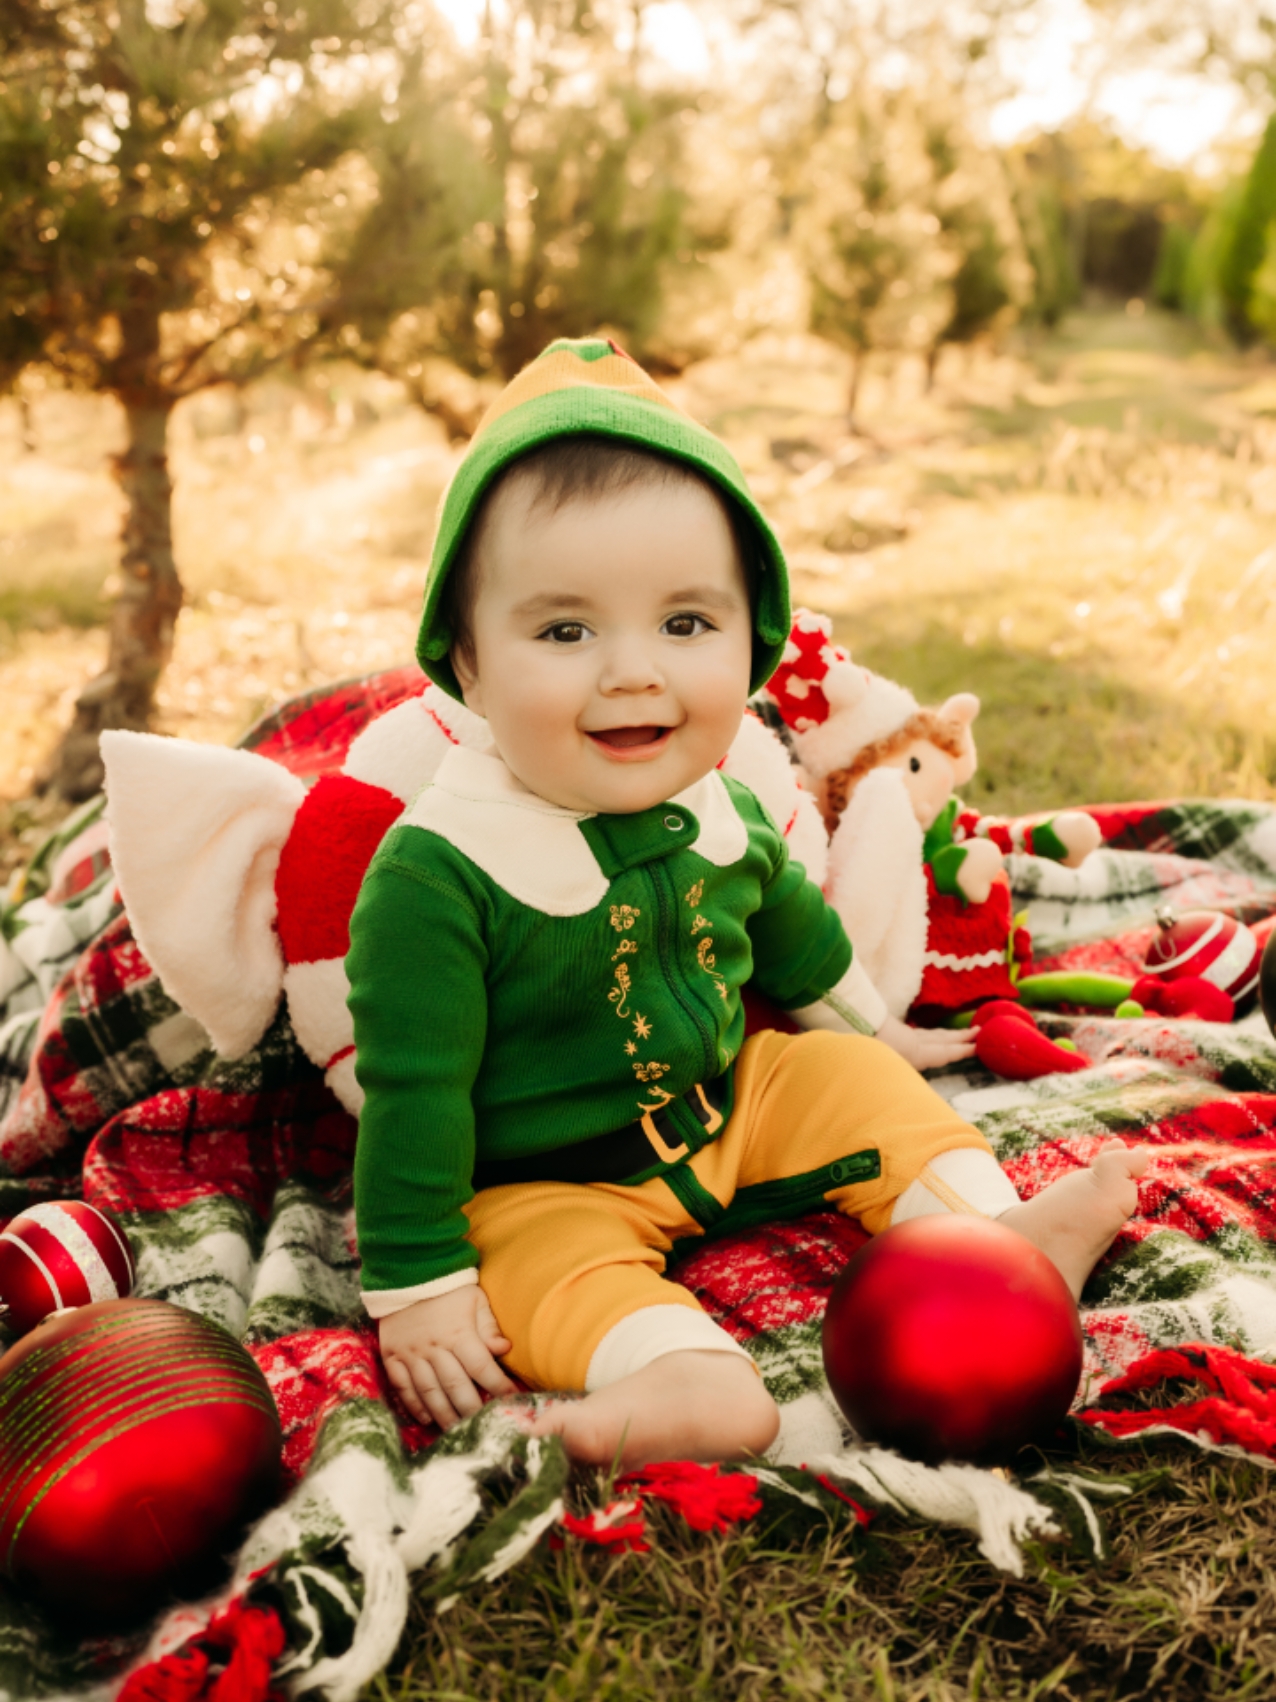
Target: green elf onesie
547,1004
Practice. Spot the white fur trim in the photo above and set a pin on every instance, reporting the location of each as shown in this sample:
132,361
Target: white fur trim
857,717
643,1337
808,838
877,885
196,832
399,751
760,761
384,1302
402,749
317,994
340,1077
462,725
964,1180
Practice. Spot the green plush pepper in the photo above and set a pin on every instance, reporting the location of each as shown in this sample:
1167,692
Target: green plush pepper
1074,987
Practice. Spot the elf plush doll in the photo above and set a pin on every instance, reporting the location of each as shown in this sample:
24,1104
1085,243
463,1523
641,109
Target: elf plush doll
917,878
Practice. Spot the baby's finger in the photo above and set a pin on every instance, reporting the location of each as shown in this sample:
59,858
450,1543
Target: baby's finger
941,1043
480,1365
455,1381
494,1338
405,1388
439,1407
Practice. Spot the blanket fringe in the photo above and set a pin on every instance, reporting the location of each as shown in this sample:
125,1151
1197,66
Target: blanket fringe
707,1497
1239,1411
230,1661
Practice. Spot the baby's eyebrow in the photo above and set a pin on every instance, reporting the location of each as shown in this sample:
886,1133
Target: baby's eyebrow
551,603
705,596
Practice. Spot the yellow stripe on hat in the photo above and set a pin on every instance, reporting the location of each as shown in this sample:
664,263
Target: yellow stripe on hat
576,365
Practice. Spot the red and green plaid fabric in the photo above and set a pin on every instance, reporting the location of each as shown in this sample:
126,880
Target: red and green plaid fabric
233,1180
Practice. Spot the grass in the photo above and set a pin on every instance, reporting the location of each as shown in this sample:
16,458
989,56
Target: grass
1181,1610
1081,528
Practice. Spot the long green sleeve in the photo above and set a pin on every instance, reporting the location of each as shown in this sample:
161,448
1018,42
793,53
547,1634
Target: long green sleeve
420,1033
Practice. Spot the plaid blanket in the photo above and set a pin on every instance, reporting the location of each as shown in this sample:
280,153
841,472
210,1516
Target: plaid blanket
233,1180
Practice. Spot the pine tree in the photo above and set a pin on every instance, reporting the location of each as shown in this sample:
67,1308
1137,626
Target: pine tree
576,204
1241,258
970,197
182,192
869,236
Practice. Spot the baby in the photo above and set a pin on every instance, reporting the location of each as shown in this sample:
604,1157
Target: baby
548,952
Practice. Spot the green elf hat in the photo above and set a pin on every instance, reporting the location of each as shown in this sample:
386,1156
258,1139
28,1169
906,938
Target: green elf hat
592,386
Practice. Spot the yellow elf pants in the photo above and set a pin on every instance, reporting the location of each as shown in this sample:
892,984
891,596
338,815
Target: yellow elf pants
818,1118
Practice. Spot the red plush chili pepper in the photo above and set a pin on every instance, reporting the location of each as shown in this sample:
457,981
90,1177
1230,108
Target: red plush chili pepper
1190,996
1015,1049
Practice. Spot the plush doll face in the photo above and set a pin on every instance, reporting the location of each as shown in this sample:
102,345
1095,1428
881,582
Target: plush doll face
929,777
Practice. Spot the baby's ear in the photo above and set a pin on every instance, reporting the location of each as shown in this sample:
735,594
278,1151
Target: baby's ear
961,710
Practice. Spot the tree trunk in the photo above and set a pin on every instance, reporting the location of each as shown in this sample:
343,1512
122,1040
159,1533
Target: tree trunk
853,391
932,362
145,611
26,423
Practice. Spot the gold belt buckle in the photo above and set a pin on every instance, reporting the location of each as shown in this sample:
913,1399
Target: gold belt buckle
666,1153
714,1122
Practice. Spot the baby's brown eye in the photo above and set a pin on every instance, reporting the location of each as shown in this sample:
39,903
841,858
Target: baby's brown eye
566,632
685,626
915,764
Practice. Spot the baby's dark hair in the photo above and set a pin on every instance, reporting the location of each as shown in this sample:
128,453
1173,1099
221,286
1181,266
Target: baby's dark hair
579,467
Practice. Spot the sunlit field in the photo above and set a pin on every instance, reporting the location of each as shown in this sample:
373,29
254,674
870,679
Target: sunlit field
1080,527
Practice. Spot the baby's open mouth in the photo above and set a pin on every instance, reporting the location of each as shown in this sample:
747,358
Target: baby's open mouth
626,738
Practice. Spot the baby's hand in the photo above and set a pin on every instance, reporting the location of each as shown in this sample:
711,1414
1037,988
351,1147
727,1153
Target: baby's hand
439,1354
927,1048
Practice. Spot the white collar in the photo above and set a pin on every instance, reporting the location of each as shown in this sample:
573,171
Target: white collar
539,856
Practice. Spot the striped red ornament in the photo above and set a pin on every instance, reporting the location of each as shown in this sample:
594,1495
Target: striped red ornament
136,1441
1207,943
58,1254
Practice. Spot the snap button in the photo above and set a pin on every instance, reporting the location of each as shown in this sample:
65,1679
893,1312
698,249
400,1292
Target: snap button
673,823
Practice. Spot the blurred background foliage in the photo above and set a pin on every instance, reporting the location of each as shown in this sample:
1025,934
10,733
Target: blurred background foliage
198,194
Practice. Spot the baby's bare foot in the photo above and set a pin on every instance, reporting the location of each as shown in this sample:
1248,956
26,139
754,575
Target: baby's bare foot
1076,1219
684,1406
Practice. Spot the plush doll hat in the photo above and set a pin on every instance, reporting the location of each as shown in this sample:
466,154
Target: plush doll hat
833,708
592,386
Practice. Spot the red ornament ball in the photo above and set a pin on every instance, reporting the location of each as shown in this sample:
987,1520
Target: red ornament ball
952,1338
58,1254
1218,948
136,1441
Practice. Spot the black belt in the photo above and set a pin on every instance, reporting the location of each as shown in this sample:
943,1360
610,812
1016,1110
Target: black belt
640,1146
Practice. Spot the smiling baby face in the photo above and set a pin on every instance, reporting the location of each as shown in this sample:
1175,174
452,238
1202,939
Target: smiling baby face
610,640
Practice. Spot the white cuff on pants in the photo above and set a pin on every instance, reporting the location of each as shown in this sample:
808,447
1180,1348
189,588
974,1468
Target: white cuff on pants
650,1334
965,1179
